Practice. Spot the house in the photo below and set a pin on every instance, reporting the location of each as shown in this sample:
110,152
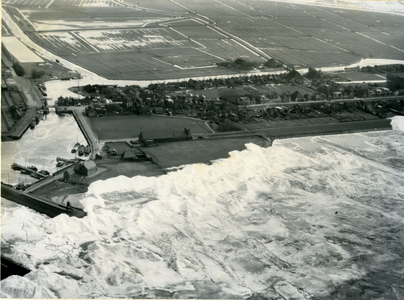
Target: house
85,168
11,84
264,99
68,174
285,98
128,155
167,135
317,96
158,110
6,74
90,112
146,110
244,101
296,96
233,117
337,95
111,151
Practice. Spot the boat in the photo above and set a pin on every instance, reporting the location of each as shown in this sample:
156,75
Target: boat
20,186
32,124
60,164
23,171
35,175
44,172
75,147
87,150
81,150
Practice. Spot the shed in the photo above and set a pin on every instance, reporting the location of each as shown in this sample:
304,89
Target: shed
85,168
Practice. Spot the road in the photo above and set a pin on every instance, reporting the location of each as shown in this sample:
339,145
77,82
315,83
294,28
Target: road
88,133
323,101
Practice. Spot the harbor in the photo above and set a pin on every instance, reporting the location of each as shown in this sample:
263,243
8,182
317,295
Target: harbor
53,137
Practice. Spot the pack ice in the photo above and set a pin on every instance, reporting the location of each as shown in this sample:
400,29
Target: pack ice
313,217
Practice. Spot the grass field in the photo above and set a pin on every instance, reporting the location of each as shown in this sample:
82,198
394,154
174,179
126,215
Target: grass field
167,155
129,127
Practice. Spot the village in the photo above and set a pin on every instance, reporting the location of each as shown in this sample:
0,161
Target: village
244,99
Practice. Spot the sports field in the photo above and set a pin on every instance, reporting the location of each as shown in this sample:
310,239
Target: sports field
139,39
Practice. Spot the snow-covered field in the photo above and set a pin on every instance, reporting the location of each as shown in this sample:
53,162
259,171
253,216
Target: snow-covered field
19,50
308,217
67,25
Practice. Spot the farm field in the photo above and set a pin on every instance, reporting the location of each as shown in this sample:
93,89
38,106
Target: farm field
155,39
129,127
358,76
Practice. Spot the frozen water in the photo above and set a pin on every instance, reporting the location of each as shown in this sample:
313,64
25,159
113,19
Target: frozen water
54,136
304,218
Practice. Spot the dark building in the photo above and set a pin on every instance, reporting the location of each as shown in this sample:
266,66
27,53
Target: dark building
85,168
297,96
128,155
146,136
68,174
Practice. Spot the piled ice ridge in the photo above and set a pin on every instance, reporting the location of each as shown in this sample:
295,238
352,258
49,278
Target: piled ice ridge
309,217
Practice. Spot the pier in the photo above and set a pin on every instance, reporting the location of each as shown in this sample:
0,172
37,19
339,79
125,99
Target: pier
77,112
43,206
18,167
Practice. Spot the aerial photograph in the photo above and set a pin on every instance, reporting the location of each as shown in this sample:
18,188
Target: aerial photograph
202,149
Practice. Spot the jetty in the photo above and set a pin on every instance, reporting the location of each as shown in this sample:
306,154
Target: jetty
28,170
43,206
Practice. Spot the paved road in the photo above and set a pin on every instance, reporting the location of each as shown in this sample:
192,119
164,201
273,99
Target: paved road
323,101
87,131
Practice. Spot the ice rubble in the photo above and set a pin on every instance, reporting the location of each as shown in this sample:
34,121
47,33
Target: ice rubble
266,222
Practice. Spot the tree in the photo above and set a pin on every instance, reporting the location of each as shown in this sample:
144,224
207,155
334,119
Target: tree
89,88
35,74
395,82
19,70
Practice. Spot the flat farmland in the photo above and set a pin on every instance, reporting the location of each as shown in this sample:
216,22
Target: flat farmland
125,64
228,49
186,38
263,31
58,3
184,57
313,58
358,76
74,17
129,39
195,32
166,6
62,43
243,21
211,9
129,127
